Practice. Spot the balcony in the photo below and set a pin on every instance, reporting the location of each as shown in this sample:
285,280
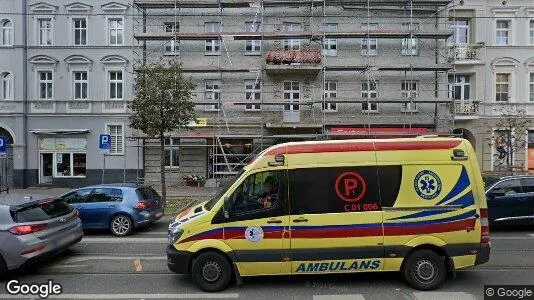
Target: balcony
466,109
464,54
293,61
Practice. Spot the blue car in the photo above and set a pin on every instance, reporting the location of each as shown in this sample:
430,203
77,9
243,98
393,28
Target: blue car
119,207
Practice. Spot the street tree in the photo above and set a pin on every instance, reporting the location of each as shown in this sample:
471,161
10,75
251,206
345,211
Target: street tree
510,136
162,104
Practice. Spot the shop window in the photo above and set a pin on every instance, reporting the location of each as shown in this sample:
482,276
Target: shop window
70,164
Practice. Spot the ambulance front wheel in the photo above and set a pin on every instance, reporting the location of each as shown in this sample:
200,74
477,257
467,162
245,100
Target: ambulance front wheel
425,270
211,271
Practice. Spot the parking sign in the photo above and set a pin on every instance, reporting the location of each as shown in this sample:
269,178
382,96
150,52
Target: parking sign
3,146
105,142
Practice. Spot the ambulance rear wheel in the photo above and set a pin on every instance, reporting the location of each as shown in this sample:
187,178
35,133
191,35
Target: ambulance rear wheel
425,270
211,271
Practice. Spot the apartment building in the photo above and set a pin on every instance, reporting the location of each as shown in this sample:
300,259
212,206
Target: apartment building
492,82
66,74
273,71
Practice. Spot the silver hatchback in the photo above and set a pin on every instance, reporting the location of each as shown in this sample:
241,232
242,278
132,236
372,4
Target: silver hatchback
35,228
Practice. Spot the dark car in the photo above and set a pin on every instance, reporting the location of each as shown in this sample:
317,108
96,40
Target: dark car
120,208
510,199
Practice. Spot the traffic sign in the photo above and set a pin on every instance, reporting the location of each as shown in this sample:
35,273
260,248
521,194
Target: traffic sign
104,142
3,146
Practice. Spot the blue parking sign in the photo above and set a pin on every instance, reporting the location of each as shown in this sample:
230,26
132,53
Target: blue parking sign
104,142
3,144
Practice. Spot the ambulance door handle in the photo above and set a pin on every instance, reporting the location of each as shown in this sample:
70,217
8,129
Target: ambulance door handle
300,220
274,221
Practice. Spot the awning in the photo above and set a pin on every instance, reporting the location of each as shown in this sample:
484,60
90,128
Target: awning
377,131
59,131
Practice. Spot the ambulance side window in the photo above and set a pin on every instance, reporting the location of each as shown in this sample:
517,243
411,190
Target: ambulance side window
258,196
389,179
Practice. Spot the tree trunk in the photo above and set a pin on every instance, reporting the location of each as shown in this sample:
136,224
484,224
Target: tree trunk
162,168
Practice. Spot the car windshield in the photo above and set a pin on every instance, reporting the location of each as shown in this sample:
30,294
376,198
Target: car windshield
225,184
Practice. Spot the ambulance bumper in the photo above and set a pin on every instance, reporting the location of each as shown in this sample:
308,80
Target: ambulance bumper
178,261
483,255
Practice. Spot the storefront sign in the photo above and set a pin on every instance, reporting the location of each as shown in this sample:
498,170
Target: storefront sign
198,122
63,144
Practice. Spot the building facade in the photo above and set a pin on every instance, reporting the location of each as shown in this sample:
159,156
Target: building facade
66,71
273,71
493,80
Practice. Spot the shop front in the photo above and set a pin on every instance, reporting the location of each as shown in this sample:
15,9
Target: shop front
62,157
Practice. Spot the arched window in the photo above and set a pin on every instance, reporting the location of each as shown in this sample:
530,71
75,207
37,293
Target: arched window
7,33
7,86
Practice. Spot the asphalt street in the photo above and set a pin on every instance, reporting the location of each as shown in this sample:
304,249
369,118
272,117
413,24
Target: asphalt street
106,267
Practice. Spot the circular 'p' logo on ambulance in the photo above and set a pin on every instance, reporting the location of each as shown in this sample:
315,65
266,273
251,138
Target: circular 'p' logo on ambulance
350,187
427,184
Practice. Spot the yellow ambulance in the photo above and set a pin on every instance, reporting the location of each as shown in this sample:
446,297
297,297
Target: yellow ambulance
414,205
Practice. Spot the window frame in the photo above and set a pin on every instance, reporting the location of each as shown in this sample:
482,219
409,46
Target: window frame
508,84
115,81
291,44
253,27
214,90
409,90
49,31
46,82
456,28
213,44
8,33
117,30
328,50
108,131
81,82
172,146
410,46
171,47
253,88
7,84
462,84
81,29
531,32
367,43
507,30
291,92
530,90
71,164
330,93
366,93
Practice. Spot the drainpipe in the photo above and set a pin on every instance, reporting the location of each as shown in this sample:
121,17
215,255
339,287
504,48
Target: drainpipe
25,93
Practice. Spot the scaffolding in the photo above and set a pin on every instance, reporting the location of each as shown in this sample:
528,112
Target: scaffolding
241,128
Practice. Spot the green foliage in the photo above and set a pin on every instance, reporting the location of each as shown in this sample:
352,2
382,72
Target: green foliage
163,99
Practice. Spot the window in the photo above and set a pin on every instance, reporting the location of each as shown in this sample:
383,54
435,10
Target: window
115,85
7,33
106,195
460,29
80,85
43,211
369,45
502,86
115,31
291,44
172,46
45,31
459,87
7,86
370,91
330,45
117,139
291,94
252,46
410,46
508,187
259,193
317,190
172,152
253,94
527,184
70,164
409,90
46,85
531,87
79,196
502,32
212,92
330,93
531,32
212,46
80,32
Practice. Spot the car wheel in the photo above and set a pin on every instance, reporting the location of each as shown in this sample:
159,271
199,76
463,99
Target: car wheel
211,271
425,270
121,225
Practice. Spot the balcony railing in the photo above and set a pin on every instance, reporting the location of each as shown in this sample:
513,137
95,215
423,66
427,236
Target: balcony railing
466,108
288,57
463,52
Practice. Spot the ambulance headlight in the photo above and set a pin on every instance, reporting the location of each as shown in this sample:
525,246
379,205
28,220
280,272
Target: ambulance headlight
174,234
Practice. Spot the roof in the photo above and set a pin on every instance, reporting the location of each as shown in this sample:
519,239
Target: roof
20,199
117,185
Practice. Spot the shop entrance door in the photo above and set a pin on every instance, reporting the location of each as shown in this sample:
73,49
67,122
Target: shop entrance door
46,167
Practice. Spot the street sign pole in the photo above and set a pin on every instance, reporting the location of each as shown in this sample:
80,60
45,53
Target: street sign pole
104,145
